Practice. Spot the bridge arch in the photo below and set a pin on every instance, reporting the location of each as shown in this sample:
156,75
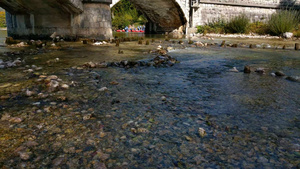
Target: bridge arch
163,16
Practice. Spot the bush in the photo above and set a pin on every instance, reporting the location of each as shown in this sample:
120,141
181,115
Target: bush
238,24
283,21
2,19
259,28
215,26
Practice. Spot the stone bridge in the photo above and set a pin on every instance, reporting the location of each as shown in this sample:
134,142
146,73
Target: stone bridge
92,18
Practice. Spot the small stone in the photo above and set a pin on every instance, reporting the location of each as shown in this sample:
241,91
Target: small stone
5,117
163,98
65,86
279,73
123,138
16,120
103,89
114,83
288,35
24,155
87,117
133,130
260,70
202,132
247,69
142,130
233,70
188,138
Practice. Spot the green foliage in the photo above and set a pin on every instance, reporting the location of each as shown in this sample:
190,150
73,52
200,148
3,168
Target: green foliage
283,21
238,24
2,19
215,26
259,28
124,14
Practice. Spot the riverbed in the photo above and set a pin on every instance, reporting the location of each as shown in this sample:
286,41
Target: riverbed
194,114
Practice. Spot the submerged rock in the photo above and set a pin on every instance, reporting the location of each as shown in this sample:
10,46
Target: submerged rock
247,69
233,70
279,73
260,70
202,132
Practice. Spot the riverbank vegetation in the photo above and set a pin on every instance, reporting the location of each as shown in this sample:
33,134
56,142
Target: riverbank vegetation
279,23
2,19
124,14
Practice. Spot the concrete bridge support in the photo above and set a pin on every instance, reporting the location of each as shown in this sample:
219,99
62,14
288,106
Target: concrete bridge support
39,19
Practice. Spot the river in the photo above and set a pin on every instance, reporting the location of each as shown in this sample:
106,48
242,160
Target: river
152,117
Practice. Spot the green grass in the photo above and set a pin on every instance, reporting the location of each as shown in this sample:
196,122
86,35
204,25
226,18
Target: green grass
283,21
238,24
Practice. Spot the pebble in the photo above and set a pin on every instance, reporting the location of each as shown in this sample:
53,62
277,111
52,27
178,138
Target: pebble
24,155
233,70
103,89
65,86
16,120
163,98
202,132
279,73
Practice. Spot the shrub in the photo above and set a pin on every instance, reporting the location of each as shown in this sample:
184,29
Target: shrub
238,24
259,28
283,21
215,26
2,19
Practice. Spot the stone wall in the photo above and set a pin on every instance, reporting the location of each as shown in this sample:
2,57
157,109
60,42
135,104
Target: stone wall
209,12
94,22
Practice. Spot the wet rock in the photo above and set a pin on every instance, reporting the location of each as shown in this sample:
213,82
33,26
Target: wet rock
202,132
163,98
15,120
25,155
260,70
297,46
53,85
251,46
234,45
223,44
142,130
293,78
103,89
163,52
188,138
99,165
279,73
114,83
65,86
233,70
102,156
199,44
58,161
31,144
247,69
29,93
90,65
5,117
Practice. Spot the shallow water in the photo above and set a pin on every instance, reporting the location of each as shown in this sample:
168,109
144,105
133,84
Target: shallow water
151,118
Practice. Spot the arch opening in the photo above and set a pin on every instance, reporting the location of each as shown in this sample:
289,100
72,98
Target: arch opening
162,16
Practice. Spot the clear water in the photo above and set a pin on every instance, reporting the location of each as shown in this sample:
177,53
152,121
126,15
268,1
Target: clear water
251,120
